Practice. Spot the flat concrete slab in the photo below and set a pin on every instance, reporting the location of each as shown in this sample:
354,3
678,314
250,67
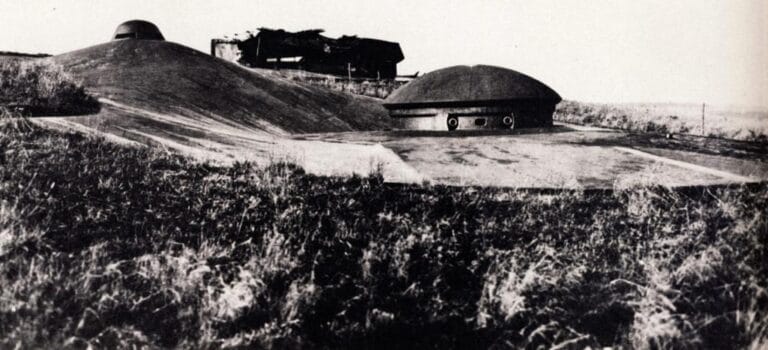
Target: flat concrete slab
565,156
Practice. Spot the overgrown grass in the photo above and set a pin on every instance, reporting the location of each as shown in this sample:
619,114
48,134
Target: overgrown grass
371,88
724,123
39,87
107,245
366,87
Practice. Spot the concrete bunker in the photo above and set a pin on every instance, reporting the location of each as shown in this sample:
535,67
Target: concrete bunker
470,98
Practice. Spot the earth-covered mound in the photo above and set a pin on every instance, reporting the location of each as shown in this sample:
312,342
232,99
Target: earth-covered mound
169,78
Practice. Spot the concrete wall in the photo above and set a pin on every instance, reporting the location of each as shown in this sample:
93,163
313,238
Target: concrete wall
227,51
472,118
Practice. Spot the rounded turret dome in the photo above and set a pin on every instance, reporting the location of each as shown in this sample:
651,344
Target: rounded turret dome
470,85
137,29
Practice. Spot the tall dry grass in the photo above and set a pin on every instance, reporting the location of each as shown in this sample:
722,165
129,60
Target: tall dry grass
112,246
39,87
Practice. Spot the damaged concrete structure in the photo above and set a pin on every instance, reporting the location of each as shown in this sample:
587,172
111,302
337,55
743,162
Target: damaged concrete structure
309,50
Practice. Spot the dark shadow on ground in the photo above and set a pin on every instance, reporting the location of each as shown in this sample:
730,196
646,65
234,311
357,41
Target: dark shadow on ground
602,190
87,105
441,133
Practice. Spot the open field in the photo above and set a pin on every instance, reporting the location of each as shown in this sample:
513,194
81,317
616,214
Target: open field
118,245
720,121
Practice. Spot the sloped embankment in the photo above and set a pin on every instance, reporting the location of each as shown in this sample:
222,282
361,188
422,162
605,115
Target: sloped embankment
169,78
166,94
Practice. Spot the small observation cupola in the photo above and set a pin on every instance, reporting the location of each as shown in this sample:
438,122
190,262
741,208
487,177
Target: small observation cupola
137,29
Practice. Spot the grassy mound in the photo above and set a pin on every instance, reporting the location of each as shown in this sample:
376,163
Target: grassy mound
116,246
169,78
42,88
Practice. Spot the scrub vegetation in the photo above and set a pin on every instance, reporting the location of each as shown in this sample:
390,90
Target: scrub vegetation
117,246
366,87
719,122
37,87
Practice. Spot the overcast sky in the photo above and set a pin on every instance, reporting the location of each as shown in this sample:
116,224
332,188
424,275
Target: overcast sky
597,50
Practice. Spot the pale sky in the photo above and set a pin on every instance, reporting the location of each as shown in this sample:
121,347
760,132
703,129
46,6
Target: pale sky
597,50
